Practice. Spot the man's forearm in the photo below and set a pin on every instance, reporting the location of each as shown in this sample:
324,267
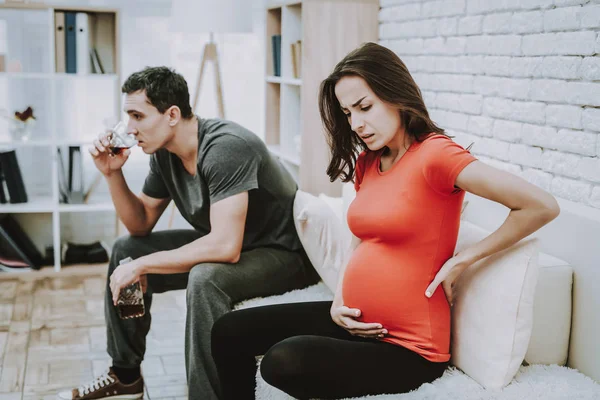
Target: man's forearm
204,250
129,207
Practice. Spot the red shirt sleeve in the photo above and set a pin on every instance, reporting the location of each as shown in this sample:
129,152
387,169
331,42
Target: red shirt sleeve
443,160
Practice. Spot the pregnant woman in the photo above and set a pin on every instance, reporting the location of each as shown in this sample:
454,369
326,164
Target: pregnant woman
388,328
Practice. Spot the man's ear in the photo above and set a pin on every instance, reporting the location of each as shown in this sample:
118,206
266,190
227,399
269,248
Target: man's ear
174,114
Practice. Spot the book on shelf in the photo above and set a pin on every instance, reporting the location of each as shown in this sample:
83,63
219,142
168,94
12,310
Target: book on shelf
70,178
63,187
3,48
3,190
296,52
75,175
276,51
97,67
70,43
12,177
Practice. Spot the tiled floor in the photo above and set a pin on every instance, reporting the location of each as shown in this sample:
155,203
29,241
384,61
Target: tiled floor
52,335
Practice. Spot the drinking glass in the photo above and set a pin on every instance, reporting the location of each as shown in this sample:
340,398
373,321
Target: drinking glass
119,139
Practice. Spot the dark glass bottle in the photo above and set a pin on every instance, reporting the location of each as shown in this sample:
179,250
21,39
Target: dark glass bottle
130,303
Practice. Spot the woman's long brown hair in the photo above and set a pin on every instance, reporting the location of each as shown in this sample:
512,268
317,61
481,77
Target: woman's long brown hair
389,79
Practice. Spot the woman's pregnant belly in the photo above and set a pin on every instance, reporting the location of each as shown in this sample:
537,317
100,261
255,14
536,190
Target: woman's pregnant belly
387,283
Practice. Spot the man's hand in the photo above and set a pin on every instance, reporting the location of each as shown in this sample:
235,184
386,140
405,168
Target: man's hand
345,317
123,276
105,160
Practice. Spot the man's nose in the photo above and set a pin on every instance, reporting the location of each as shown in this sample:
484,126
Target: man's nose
131,127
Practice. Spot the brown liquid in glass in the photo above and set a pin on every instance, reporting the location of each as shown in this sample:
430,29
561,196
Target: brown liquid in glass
117,150
130,311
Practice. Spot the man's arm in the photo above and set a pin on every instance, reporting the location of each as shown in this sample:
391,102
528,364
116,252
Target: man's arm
222,245
139,214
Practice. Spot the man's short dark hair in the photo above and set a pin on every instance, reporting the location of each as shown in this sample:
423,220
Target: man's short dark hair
164,88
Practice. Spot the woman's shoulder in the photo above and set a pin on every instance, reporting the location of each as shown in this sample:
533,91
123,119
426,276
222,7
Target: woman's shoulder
437,143
436,139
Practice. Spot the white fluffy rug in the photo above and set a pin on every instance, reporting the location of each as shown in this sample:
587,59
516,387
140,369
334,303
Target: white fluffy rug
534,382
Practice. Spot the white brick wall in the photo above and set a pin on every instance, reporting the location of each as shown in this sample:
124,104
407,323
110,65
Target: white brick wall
518,78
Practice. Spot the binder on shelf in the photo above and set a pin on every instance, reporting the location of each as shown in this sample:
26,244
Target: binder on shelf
59,42
70,43
276,47
63,187
82,43
14,243
13,177
75,175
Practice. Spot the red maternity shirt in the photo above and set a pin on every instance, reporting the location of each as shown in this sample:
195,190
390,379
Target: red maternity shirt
407,219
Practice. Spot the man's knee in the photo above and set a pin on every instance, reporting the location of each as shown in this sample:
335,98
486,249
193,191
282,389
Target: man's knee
203,278
121,249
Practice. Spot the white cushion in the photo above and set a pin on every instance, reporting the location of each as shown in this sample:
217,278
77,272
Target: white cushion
492,317
552,307
348,195
322,234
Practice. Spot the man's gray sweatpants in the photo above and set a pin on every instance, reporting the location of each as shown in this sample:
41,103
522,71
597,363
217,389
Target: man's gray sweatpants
212,290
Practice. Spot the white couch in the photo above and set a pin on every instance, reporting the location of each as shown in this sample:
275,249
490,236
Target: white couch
564,332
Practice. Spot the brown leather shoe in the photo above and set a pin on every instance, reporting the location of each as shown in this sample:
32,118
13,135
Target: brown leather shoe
106,386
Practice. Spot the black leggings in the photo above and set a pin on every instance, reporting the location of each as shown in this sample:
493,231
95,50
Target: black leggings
307,355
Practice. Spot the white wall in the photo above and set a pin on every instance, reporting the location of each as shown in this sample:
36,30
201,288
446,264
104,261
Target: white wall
520,79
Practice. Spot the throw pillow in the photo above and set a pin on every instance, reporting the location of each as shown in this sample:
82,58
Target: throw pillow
322,234
492,316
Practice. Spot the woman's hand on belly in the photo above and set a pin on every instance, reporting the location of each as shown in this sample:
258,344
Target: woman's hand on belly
346,318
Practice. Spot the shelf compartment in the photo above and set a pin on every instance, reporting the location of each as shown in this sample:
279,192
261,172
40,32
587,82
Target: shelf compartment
25,42
272,106
291,121
17,95
273,28
35,165
84,107
291,32
87,226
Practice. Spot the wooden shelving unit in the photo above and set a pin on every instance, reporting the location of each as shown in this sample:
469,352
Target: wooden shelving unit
328,30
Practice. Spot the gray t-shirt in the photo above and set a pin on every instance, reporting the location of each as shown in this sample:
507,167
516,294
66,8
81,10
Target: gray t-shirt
231,160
